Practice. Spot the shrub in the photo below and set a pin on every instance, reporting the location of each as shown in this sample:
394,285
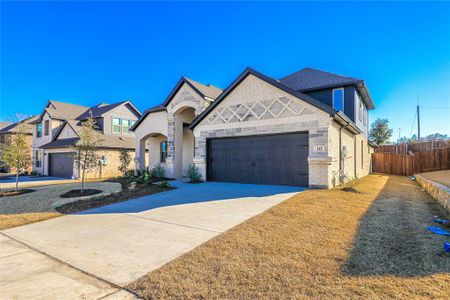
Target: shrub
158,171
163,184
193,174
130,173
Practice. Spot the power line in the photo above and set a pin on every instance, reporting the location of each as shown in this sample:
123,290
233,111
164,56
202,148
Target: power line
437,107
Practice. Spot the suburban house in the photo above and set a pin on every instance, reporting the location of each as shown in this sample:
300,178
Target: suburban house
9,131
308,128
58,128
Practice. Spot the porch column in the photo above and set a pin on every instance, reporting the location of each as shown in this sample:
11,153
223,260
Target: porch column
140,154
170,146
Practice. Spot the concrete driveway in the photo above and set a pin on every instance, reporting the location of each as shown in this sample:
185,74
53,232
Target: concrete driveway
95,253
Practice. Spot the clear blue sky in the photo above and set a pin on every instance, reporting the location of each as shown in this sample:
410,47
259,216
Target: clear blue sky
91,52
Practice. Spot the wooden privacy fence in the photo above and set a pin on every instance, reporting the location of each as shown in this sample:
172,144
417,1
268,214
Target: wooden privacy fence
404,164
405,148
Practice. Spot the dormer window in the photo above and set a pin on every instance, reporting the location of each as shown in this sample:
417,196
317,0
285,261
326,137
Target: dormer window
39,130
117,125
126,126
338,99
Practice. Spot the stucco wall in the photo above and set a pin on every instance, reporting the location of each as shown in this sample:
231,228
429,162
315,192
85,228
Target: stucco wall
352,165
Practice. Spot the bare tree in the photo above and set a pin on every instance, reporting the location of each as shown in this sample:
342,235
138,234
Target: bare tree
17,154
86,156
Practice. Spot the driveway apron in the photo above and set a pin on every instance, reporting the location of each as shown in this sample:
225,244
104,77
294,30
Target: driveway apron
114,245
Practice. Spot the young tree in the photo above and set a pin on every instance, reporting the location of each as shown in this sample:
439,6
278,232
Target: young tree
17,154
380,133
85,150
125,160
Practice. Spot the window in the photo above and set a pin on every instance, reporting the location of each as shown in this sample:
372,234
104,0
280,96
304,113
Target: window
117,125
163,151
338,99
46,127
39,130
360,111
126,126
38,159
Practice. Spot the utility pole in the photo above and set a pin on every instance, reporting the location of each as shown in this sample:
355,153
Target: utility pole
399,135
418,123
418,119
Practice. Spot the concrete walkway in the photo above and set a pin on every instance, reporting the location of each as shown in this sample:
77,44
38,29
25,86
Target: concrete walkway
103,249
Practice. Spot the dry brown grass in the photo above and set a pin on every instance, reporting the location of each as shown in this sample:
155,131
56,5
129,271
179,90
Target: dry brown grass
442,177
319,244
14,220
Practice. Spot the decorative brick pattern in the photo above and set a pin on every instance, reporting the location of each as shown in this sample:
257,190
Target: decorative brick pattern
260,110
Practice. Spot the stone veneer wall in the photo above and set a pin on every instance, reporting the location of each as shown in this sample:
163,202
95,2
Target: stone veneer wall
318,136
438,191
108,171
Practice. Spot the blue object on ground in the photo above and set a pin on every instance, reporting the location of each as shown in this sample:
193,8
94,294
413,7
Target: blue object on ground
440,221
438,230
447,246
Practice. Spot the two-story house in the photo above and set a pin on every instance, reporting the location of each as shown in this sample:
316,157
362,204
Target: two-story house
57,130
308,128
9,131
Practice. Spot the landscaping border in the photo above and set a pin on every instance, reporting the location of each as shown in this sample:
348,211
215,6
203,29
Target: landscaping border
438,191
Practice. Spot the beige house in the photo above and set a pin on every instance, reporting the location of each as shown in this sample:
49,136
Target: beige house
309,129
9,130
58,128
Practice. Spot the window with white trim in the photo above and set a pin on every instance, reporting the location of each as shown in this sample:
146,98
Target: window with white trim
39,130
163,151
338,99
126,124
117,125
38,159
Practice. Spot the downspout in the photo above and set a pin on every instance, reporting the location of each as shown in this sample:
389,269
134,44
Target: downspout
354,156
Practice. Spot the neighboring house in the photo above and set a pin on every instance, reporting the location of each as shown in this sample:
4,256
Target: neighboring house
57,130
9,130
309,128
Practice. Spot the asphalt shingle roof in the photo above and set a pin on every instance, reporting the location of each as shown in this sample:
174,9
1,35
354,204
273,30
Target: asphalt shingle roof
12,128
309,78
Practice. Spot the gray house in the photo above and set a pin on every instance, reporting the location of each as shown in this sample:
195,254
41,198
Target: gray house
308,128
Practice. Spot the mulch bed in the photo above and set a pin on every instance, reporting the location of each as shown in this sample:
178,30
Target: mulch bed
126,194
78,193
15,193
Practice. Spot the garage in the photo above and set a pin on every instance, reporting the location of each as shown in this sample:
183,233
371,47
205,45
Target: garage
279,159
60,165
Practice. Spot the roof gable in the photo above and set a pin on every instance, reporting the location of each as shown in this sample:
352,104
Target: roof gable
268,80
205,91
101,109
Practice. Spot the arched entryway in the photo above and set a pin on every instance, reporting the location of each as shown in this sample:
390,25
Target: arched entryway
153,151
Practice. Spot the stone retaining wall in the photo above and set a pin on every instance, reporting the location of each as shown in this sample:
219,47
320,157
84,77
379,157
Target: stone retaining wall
438,191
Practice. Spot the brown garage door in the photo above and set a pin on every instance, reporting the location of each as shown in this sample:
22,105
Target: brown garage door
60,165
280,159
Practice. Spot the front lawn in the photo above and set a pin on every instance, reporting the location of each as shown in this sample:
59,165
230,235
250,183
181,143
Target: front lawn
24,210
369,241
